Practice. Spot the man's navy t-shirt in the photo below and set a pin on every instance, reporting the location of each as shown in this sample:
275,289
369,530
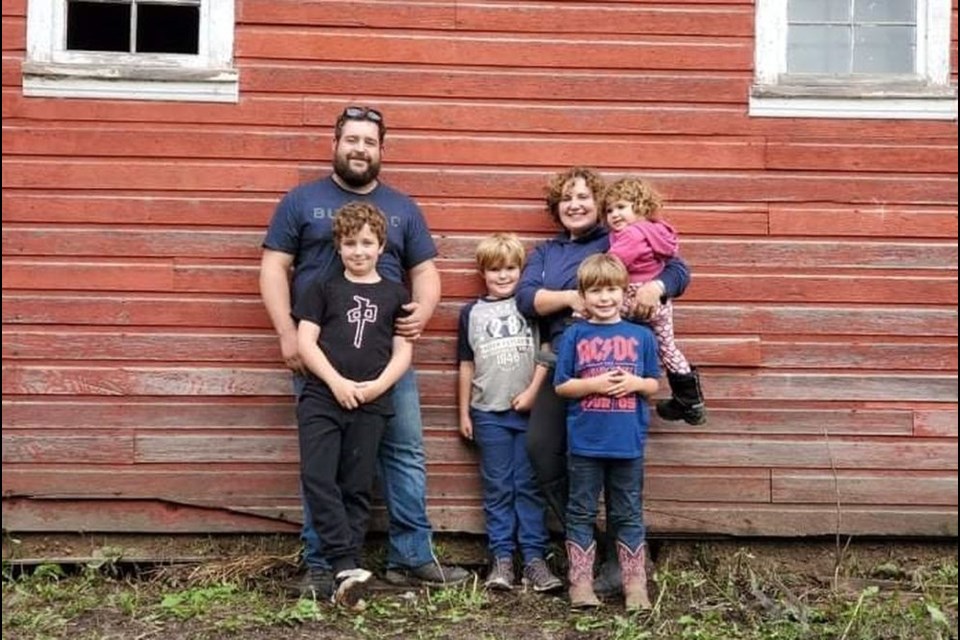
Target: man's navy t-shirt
302,226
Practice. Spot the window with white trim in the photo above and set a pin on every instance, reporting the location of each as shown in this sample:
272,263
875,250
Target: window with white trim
131,49
853,59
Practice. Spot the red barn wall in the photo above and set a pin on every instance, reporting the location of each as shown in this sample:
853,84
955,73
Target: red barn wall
142,390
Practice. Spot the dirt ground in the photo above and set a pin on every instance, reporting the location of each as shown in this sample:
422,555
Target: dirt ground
718,589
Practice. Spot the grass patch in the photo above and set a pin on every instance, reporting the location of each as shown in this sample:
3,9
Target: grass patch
707,591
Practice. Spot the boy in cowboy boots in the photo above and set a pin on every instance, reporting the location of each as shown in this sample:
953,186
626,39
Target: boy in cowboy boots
606,368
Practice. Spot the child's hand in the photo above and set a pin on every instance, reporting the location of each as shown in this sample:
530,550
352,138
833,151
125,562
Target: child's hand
613,383
368,391
347,393
466,429
523,401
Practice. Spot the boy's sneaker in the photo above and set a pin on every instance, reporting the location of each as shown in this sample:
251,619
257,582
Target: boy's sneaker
431,574
351,587
538,575
501,576
312,583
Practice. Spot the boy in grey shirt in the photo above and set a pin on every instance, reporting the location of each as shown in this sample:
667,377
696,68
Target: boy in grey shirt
498,381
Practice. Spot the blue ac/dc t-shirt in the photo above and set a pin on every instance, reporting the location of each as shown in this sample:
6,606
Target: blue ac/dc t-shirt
302,226
600,426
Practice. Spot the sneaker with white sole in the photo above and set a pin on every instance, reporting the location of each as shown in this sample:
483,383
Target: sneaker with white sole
351,587
537,574
501,576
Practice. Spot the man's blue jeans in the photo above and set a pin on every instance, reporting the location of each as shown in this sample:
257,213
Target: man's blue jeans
623,479
403,481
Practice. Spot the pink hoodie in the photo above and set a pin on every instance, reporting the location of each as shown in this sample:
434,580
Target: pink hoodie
644,248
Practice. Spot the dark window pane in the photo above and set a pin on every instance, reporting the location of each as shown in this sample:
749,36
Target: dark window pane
168,29
98,26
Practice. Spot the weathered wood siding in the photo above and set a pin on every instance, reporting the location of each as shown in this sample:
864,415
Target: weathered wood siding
141,384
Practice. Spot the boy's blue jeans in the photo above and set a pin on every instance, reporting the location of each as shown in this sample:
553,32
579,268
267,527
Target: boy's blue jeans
512,503
402,466
624,490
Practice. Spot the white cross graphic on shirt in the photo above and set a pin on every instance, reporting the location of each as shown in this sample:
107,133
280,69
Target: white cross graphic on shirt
364,312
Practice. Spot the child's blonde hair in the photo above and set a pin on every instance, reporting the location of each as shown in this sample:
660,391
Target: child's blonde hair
601,270
500,250
644,198
350,218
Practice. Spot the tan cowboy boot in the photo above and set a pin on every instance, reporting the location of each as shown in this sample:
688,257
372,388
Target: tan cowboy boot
580,575
633,569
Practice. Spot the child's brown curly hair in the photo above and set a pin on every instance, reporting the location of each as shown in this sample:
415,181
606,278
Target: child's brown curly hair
645,199
350,218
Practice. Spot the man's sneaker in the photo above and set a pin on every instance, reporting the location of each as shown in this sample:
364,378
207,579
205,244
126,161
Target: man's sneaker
537,574
351,587
312,583
501,576
431,574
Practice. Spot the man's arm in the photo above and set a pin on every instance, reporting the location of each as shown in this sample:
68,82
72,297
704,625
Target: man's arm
425,291
275,269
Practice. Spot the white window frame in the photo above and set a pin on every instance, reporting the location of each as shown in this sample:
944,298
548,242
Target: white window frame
925,95
50,70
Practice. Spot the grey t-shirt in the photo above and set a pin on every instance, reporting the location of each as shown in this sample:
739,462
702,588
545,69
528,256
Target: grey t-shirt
502,344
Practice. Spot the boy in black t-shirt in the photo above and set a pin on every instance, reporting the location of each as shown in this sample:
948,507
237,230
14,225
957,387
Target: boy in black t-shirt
346,339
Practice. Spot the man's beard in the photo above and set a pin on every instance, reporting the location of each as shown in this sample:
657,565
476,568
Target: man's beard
352,178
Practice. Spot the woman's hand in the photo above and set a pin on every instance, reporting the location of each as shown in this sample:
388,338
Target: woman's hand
577,307
647,301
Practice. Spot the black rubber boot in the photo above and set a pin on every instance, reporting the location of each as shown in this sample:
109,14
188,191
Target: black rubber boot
687,401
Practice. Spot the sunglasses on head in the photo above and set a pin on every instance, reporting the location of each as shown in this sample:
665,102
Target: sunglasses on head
362,113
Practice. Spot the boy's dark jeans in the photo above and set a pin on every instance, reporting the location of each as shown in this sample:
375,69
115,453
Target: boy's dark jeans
624,489
338,459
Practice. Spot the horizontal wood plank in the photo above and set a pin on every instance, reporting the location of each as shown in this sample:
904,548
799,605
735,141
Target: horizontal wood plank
264,347
863,221
105,446
135,309
179,413
99,241
246,312
142,141
671,115
194,275
661,516
664,449
547,18
824,453
843,354
864,487
517,51
935,423
461,182
187,484
833,156
133,516
439,386
46,412
800,520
